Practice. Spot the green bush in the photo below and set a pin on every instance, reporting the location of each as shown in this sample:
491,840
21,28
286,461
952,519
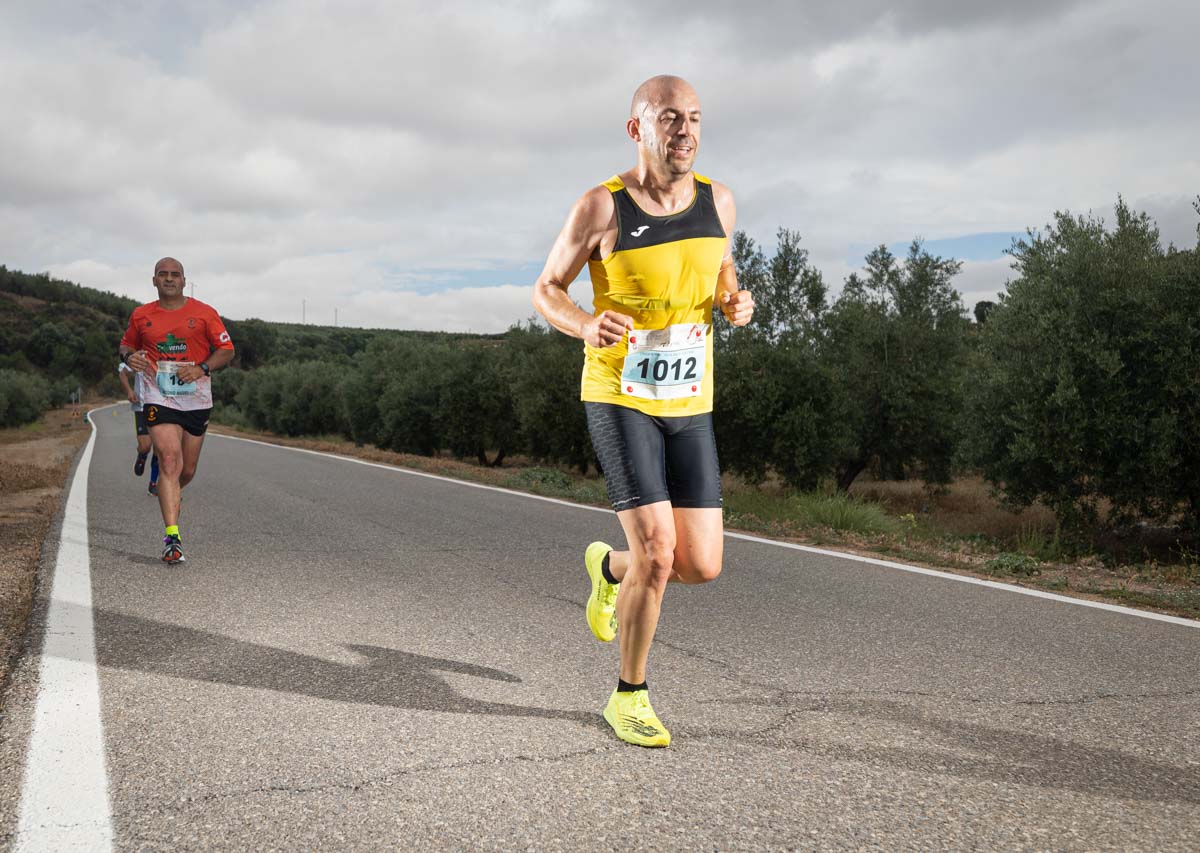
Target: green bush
772,412
842,512
897,354
228,414
475,406
226,384
65,389
772,398
1088,393
538,479
541,368
297,398
404,375
109,386
23,397
1020,565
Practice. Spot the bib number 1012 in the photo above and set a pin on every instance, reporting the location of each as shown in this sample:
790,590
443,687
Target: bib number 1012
665,364
654,367
664,375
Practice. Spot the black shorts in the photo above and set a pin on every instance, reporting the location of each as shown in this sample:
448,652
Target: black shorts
194,422
647,459
139,423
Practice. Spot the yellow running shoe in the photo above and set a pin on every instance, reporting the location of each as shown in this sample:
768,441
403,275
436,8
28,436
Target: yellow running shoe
602,604
634,720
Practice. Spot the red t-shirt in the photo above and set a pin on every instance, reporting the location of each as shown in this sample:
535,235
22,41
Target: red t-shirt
186,335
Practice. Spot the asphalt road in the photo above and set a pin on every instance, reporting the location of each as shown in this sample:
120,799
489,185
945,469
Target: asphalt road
355,658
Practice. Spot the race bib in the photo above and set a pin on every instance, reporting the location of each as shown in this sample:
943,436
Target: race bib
665,364
168,381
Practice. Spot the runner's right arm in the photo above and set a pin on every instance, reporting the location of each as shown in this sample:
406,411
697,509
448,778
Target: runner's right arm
129,395
131,353
589,219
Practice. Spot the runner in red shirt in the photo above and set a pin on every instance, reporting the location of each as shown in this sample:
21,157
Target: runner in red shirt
173,344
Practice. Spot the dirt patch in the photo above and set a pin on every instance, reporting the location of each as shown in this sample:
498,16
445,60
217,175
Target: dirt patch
34,463
966,527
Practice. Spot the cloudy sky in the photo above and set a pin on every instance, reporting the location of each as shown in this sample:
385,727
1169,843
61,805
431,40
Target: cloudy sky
410,168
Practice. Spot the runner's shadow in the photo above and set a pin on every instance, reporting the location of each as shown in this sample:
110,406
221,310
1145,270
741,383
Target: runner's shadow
388,678
131,556
972,750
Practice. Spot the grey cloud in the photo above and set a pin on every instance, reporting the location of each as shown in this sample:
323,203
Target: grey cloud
283,143
783,26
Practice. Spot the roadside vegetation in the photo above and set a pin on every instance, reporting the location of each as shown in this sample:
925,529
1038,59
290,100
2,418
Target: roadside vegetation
1052,438
35,459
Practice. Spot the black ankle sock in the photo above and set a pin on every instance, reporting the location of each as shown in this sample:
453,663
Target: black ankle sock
143,455
604,570
624,686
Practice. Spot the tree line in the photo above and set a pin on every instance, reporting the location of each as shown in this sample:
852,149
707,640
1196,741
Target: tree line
57,336
1079,388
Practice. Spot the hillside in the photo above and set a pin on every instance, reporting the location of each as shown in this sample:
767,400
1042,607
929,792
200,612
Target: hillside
62,330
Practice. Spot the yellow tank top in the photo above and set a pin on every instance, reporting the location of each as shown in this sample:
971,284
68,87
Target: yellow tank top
662,272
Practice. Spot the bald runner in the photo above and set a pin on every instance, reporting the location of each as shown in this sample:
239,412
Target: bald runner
172,345
656,242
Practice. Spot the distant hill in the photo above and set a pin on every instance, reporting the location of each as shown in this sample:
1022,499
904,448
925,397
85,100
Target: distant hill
60,329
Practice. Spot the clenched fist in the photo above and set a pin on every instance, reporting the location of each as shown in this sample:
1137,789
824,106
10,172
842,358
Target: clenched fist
606,328
737,307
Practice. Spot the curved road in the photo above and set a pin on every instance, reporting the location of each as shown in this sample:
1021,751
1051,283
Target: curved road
358,658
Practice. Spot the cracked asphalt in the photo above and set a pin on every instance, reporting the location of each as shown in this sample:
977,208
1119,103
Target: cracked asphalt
358,659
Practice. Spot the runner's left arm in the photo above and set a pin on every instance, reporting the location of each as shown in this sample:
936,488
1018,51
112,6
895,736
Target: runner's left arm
737,305
220,354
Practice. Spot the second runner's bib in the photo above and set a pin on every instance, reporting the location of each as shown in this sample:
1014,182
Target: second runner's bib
168,382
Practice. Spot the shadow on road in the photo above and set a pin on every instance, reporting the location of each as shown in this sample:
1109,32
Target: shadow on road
970,750
389,677
936,744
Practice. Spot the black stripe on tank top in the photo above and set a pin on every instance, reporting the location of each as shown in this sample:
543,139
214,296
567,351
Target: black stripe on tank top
637,229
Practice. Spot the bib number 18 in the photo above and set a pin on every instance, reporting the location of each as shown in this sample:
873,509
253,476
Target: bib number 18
168,381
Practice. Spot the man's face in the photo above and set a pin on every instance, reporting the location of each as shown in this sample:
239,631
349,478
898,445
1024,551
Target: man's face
169,280
670,128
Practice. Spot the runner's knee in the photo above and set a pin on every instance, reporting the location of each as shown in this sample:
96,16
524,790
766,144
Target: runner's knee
170,463
659,562
698,571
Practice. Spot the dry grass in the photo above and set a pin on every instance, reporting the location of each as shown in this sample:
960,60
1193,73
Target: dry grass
966,508
34,462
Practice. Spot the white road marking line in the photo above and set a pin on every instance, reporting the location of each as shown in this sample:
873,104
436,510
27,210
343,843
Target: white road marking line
919,570
400,470
64,798
1020,590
